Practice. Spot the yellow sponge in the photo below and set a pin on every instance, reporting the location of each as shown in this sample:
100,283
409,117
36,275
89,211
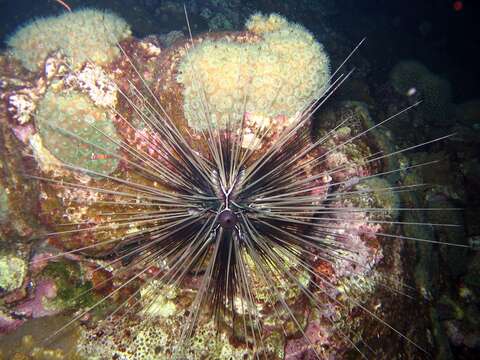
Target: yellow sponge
277,74
82,35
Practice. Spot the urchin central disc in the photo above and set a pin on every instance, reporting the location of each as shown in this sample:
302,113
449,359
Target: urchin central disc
227,219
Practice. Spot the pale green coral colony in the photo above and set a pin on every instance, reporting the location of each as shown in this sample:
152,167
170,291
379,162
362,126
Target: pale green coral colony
71,126
76,131
279,75
84,35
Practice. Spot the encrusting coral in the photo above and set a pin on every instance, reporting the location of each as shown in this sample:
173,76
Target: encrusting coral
81,35
64,118
274,73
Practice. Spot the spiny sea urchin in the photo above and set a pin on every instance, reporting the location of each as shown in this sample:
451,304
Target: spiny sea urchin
227,230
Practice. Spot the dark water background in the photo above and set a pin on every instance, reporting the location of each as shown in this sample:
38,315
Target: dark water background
444,35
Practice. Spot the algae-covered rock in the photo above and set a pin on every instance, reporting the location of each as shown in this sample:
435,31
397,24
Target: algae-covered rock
451,233
472,277
377,193
158,329
468,113
357,118
72,290
407,74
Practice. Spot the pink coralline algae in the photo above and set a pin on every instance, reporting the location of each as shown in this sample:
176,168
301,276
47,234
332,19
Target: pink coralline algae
45,291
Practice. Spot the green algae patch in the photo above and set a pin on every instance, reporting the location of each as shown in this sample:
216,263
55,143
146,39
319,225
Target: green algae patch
72,291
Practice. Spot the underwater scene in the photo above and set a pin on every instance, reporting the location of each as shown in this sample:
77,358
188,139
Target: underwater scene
223,180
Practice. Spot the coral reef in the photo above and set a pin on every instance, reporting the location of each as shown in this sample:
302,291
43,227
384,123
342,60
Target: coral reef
376,193
154,333
57,117
84,35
